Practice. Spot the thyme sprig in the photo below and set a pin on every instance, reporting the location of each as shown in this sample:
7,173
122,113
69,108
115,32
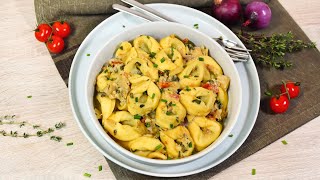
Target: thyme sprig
270,50
10,120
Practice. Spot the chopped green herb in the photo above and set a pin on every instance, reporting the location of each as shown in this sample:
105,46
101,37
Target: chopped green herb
87,175
88,54
188,89
123,26
147,124
121,47
230,135
148,37
152,55
141,105
70,144
155,65
198,101
186,76
158,147
29,97
284,142
201,59
105,71
171,126
131,95
169,158
162,60
163,100
172,53
196,26
190,144
100,168
219,104
253,171
54,138
136,99
153,95
171,104
137,116
169,113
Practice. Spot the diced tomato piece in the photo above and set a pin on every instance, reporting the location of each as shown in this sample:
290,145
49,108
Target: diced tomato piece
207,86
164,84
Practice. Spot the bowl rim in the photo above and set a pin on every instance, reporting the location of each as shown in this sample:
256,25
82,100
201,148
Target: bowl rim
131,155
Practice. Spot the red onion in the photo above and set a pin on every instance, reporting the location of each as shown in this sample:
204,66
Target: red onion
227,11
258,15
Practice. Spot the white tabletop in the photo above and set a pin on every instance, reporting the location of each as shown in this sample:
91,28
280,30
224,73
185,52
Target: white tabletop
27,69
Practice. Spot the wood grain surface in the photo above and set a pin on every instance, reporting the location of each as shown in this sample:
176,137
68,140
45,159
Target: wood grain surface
27,69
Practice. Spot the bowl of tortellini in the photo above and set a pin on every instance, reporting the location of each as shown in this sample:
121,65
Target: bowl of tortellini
163,93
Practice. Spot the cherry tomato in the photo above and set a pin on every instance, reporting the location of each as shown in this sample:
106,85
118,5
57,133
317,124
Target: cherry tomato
61,29
293,89
279,104
55,44
43,32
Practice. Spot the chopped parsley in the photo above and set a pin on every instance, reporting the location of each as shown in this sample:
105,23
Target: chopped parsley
172,53
163,100
137,116
186,76
88,54
198,101
284,142
136,99
162,60
87,175
253,171
200,59
230,135
152,55
171,126
29,97
169,113
153,95
196,26
141,105
171,104
121,47
147,124
219,104
188,89
70,144
148,37
155,65
190,145
100,168
158,147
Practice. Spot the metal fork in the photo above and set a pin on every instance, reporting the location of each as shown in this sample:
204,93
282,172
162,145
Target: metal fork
235,51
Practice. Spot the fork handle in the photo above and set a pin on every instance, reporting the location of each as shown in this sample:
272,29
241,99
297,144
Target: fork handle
133,12
148,10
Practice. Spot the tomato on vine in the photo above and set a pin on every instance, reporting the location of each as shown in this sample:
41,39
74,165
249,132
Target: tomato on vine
43,32
61,28
55,44
279,104
293,89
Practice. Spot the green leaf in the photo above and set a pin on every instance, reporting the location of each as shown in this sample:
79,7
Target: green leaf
253,171
87,175
284,142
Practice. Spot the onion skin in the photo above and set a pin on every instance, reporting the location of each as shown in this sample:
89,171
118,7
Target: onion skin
258,15
227,11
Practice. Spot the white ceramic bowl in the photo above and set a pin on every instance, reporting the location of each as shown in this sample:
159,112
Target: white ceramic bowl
159,30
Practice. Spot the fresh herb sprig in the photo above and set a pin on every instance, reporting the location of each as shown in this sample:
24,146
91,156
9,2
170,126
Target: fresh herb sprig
270,50
10,120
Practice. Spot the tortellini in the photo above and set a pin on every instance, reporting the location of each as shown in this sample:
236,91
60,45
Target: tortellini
170,112
123,126
203,131
178,142
198,101
162,100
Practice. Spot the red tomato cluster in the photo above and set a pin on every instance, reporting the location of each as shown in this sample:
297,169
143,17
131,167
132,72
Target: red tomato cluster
280,103
53,35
